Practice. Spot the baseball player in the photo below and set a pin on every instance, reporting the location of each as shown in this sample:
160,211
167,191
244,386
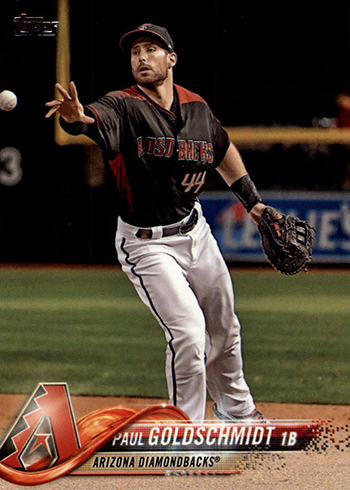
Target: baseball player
160,141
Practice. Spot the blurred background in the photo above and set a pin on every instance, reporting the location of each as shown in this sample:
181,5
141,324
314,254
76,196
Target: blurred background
279,68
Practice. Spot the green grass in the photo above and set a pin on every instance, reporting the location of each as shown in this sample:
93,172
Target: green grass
88,327
85,327
296,336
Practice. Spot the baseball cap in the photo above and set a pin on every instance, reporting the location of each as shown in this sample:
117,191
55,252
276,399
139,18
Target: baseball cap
151,30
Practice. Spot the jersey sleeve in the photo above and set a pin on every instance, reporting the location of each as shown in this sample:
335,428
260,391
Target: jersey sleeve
106,131
108,113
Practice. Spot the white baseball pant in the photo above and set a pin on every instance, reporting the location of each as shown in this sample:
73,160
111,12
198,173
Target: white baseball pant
185,282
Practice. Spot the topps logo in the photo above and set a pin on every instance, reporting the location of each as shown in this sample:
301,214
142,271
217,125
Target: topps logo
34,26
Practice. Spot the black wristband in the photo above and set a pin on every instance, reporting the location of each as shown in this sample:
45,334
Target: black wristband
245,190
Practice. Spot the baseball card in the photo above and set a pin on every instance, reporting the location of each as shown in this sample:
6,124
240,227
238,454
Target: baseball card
175,245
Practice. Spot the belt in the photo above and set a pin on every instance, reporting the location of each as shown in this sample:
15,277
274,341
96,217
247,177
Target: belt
171,230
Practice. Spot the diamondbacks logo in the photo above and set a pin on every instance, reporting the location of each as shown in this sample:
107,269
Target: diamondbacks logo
145,27
44,433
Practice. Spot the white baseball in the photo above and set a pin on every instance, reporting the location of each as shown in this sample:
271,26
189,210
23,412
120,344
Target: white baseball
8,100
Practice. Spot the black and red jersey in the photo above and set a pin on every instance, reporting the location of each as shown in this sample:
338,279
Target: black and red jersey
159,158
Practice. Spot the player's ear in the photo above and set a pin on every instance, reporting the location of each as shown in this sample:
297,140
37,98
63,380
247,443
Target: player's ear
172,57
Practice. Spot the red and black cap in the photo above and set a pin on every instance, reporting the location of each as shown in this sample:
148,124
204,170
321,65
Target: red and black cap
147,30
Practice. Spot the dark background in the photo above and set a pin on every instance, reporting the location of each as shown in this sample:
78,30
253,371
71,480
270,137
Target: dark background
255,64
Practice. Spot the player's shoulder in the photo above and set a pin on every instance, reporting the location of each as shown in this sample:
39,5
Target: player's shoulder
130,92
186,96
115,100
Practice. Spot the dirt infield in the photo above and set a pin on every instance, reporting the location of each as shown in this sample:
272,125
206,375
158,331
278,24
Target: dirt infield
325,470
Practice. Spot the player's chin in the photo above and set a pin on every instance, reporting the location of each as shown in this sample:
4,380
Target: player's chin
144,79
149,78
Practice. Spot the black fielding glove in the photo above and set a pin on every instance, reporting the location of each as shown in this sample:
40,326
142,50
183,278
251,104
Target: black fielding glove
287,241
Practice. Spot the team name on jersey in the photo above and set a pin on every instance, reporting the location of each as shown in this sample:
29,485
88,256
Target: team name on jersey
196,151
159,147
188,150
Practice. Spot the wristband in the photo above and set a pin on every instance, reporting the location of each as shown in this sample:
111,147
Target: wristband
245,190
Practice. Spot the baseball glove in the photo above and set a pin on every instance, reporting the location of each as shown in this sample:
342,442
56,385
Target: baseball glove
287,241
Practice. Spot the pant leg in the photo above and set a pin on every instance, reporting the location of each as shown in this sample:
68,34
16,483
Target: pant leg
211,282
161,283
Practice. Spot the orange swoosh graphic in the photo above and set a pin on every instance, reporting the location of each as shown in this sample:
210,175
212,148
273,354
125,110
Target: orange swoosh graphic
95,430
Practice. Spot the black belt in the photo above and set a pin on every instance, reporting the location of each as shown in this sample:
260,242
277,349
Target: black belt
172,230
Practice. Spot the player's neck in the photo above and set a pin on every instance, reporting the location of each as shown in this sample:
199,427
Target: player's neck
162,94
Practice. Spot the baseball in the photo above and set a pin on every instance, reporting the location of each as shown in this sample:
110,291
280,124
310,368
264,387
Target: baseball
8,100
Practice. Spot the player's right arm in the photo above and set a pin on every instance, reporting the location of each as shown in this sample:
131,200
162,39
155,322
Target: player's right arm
69,107
98,121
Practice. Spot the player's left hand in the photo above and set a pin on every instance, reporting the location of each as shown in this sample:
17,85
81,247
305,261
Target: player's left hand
256,212
286,240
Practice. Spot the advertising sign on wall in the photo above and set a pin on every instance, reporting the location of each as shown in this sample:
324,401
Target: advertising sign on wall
238,238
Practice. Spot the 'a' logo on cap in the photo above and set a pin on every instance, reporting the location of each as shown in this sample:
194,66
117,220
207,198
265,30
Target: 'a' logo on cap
145,27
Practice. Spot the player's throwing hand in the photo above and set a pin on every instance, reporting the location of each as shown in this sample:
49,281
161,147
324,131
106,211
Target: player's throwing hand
69,106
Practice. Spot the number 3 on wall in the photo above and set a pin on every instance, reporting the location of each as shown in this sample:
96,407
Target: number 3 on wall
10,166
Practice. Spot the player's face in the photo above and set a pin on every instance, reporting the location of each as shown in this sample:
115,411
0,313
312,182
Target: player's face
149,63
